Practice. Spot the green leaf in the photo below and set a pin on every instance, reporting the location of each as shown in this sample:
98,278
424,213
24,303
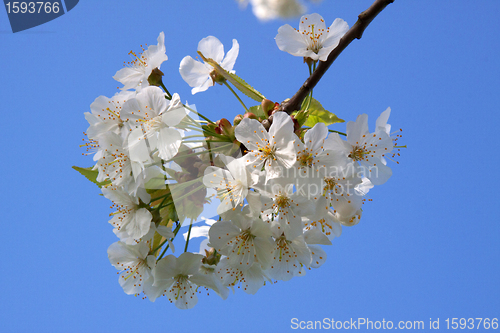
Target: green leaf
318,114
91,175
257,110
237,81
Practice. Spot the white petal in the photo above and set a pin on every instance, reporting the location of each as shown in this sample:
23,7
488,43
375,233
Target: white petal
130,77
207,84
194,72
212,48
381,123
291,41
315,137
165,270
228,62
169,141
318,256
152,98
140,224
356,130
165,231
315,236
188,263
378,174
250,132
307,21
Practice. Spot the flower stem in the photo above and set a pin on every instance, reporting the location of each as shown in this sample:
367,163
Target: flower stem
199,114
329,130
309,101
172,239
189,235
235,94
193,136
166,90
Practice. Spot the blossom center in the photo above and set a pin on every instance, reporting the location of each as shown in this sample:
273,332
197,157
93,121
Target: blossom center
305,159
138,60
282,201
331,185
315,45
268,151
178,287
358,153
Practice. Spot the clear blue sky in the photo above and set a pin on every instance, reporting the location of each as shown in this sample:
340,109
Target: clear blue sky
427,246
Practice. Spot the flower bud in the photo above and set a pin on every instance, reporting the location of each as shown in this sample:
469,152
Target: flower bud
266,123
237,119
270,119
296,124
154,78
267,106
211,257
225,127
250,115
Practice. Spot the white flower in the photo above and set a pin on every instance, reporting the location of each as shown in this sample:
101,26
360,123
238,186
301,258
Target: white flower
105,114
313,39
136,75
274,149
323,220
129,215
179,279
312,159
348,221
115,163
250,279
231,184
290,255
271,9
151,116
313,237
200,75
244,242
135,265
367,149
285,209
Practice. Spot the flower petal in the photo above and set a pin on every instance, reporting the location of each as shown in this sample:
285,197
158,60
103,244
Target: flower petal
212,48
230,59
290,40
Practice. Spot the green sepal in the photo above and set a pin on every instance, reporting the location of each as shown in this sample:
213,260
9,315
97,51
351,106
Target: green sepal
237,81
91,175
318,114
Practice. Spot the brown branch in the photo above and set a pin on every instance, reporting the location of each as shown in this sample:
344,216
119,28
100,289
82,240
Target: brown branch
356,32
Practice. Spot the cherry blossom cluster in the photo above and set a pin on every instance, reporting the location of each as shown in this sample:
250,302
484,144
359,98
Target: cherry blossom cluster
281,184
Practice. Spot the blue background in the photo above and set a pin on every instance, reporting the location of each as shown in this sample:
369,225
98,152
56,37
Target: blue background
427,246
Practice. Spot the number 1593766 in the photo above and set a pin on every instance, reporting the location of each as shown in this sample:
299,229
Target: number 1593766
32,7
471,323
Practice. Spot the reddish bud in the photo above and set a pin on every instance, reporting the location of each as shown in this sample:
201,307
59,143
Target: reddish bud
267,106
250,115
237,119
